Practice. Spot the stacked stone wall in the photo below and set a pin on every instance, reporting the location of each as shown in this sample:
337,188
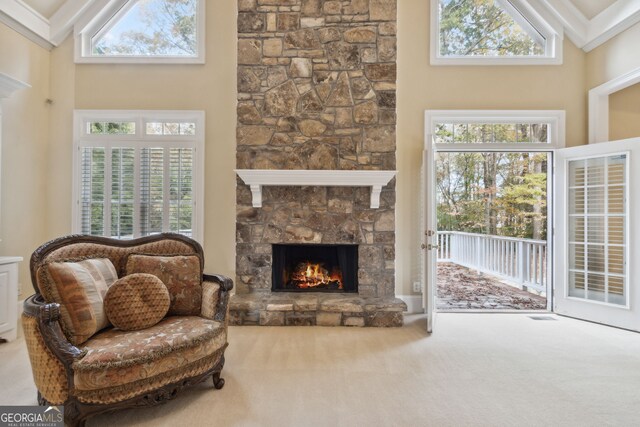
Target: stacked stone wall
316,90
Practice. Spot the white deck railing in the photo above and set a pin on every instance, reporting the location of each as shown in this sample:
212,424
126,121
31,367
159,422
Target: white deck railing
523,261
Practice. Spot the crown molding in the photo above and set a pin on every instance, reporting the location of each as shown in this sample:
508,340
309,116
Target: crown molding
47,33
62,22
8,85
589,34
22,18
615,19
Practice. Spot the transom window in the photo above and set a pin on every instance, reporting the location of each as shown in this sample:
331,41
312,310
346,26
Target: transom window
133,179
145,31
491,31
470,133
504,129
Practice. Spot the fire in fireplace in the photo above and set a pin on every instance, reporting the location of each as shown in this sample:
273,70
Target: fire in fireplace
315,268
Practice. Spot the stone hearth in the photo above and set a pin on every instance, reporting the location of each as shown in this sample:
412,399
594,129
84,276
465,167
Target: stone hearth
316,91
315,309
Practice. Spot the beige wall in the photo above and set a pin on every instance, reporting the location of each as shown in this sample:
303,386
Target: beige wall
25,136
209,87
624,113
614,58
608,61
422,87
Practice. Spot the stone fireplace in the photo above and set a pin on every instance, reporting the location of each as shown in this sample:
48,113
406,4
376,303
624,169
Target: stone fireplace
316,91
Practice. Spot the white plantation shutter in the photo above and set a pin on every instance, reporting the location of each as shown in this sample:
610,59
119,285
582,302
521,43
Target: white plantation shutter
181,190
123,190
93,190
131,187
152,197
597,229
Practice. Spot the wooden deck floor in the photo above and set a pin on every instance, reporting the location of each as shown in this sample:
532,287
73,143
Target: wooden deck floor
460,288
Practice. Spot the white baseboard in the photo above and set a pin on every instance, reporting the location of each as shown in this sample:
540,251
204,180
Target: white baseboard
414,303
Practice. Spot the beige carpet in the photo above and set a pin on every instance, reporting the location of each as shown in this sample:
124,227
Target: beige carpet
475,370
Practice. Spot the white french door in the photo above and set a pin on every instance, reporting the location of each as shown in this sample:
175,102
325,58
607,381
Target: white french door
430,234
597,247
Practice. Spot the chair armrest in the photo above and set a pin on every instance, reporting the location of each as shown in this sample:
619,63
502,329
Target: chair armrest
224,285
48,315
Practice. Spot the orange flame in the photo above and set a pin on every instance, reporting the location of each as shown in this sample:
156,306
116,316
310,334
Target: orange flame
308,275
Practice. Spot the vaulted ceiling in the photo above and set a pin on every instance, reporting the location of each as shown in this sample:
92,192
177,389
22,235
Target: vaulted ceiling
587,23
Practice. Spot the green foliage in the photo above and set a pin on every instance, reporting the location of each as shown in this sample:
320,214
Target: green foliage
492,193
482,28
113,128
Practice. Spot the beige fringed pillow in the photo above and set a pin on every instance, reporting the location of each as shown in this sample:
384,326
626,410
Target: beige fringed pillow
79,288
181,274
137,301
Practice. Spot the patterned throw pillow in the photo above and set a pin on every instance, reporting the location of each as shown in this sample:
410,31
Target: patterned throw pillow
79,288
137,301
181,274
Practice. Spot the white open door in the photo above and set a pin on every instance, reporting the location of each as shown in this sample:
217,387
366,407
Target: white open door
429,235
597,246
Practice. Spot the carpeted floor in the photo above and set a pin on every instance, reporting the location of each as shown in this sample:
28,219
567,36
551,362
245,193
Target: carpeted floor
476,369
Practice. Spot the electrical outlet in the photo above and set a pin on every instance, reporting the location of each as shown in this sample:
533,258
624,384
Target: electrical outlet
417,287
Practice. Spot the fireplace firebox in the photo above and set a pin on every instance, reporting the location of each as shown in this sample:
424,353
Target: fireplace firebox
315,268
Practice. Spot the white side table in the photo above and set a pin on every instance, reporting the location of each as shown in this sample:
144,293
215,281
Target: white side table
9,297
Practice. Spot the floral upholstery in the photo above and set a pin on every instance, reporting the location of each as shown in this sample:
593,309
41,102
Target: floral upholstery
115,368
118,255
116,357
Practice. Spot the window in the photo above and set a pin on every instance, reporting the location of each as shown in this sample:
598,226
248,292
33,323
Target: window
598,228
159,31
491,32
138,173
498,133
516,129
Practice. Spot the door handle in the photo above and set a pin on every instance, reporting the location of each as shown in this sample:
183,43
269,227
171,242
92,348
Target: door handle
429,246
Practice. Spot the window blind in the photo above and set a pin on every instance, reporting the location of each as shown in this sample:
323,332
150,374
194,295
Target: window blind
133,191
597,229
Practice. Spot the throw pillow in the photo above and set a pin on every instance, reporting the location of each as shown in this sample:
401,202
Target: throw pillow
181,274
79,288
136,301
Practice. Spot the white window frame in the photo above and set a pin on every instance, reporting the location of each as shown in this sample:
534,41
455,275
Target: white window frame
599,104
98,16
555,118
557,139
537,17
82,139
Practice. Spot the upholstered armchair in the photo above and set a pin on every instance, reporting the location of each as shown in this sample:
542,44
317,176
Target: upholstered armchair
171,322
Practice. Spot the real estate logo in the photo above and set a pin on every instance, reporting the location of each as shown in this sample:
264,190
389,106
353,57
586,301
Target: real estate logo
31,416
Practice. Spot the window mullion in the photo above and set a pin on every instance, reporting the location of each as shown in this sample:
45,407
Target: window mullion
166,191
137,186
107,191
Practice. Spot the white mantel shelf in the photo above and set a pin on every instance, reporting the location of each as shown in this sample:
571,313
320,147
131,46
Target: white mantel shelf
257,178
